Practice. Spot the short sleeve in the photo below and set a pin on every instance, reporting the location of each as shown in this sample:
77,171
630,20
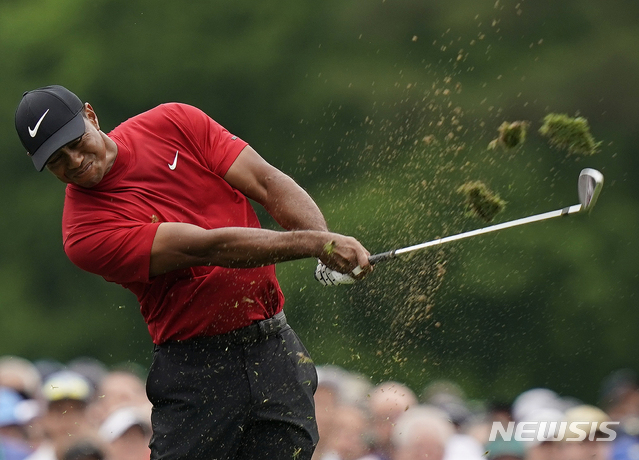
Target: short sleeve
218,147
120,254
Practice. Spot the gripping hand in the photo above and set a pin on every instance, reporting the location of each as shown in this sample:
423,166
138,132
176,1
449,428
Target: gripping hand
328,277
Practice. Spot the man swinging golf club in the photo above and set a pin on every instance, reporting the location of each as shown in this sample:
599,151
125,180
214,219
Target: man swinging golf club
160,205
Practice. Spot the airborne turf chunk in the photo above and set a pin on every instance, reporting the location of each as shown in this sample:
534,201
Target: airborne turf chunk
480,201
567,133
511,135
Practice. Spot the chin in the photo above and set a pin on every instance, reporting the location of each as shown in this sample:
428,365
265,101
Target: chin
87,182
89,179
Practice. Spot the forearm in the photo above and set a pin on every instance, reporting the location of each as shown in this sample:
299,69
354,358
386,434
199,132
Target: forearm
182,245
279,194
178,246
291,206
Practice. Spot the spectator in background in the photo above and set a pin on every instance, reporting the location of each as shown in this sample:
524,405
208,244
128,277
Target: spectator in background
91,369
545,447
619,397
348,440
11,421
47,367
21,375
541,405
449,397
67,395
499,412
341,398
13,437
387,402
86,449
350,388
326,397
451,400
570,448
127,432
122,411
421,433
119,388
506,450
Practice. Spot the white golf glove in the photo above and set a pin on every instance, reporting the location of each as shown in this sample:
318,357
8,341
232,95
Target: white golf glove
328,277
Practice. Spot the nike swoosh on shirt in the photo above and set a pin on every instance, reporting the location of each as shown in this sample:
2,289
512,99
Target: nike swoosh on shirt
34,131
172,166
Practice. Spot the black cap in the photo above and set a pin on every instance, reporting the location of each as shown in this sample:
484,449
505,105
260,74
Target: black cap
47,119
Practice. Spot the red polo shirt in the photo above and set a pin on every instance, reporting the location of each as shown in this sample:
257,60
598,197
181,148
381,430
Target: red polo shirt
170,167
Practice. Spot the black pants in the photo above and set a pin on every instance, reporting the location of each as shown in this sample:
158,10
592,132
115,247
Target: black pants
240,400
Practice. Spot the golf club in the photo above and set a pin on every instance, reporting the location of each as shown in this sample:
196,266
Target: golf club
588,187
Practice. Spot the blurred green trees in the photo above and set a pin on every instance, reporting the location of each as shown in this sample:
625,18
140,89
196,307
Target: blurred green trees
381,110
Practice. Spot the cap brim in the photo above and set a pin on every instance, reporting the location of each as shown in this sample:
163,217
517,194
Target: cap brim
120,421
72,130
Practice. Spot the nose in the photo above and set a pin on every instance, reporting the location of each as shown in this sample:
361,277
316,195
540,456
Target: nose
74,158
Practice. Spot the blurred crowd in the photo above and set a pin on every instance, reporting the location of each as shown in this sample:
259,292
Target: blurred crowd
83,410
389,421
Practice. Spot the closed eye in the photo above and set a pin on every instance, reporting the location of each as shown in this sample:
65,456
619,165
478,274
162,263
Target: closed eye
74,143
54,159
58,155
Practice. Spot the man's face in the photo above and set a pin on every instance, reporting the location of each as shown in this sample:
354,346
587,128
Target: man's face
83,161
65,418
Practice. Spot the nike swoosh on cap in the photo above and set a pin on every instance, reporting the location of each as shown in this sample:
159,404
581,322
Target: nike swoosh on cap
34,131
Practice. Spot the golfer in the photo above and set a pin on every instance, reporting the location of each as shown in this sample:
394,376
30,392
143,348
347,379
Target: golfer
160,205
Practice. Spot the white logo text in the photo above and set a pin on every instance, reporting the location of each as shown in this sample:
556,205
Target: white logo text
554,431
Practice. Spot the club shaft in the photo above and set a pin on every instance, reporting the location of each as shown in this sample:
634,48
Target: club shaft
480,231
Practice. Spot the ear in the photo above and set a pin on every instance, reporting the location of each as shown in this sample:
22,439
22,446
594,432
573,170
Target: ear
90,115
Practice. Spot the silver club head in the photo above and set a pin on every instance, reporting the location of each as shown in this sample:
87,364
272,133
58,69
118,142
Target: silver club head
590,184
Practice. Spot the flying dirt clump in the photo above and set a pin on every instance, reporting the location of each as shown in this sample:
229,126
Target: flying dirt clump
411,310
480,201
567,133
511,135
